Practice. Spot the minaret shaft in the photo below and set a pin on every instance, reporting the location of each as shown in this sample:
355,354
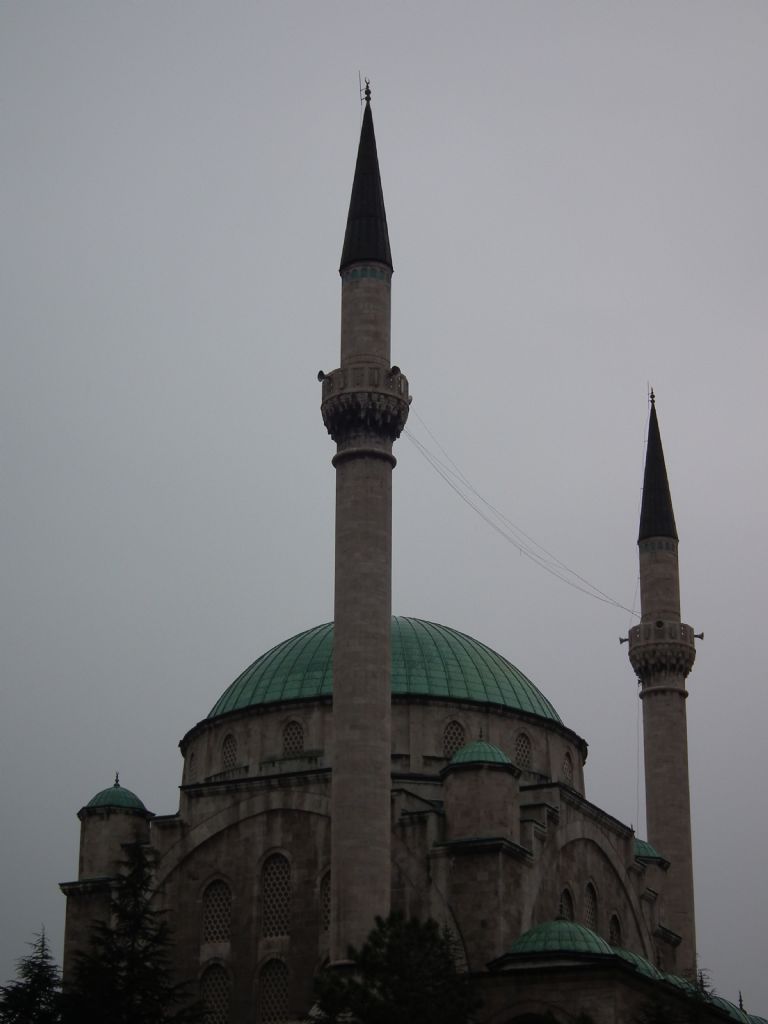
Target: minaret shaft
365,406
662,652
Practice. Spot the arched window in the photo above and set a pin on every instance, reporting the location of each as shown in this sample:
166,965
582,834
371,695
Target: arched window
228,753
276,896
523,750
217,912
325,902
273,993
590,907
565,909
293,739
191,768
215,988
453,738
566,771
614,931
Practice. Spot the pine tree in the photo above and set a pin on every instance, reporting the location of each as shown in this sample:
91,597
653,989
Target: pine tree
35,996
125,977
405,971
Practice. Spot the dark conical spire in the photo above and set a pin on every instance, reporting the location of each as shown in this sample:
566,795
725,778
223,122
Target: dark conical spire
656,517
366,237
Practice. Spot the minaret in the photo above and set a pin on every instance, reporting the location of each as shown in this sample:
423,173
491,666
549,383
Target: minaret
662,652
365,406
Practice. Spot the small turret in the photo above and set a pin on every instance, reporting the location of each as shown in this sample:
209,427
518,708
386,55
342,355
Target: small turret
109,821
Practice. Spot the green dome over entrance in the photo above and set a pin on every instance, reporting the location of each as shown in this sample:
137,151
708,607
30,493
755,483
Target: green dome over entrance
428,660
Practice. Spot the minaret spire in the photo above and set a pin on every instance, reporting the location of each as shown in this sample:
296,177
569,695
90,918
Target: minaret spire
365,406
656,516
366,237
662,652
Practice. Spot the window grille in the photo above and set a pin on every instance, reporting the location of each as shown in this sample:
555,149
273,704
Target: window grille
614,931
325,902
523,751
453,738
217,912
229,753
293,739
565,910
566,772
276,896
214,992
590,907
273,993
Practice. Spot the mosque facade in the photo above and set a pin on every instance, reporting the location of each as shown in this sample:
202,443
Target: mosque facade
381,762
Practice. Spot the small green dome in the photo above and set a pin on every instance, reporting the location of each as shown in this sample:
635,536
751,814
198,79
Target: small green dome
428,660
644,851
117,796
640,963
480,752
731,1009
561,937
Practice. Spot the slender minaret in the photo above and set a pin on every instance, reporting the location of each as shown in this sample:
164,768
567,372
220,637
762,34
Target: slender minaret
662,652
364,407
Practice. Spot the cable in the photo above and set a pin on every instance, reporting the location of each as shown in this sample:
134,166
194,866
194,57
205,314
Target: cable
459,483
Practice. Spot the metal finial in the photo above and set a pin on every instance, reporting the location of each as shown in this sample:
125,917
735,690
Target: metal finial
117,778
653,398
367,90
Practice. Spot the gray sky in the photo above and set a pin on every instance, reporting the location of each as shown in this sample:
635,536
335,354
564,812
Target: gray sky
576,195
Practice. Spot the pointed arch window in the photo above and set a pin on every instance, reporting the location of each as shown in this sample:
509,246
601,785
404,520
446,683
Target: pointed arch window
293,739
273,993
276,896
590,907
565,908
523,750
228,753
614,931
217,912
215,991
454,738
566,770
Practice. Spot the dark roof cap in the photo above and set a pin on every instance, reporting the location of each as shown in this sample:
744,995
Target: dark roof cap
656,516
366,237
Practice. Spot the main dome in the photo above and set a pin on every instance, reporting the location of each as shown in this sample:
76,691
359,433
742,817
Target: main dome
428,660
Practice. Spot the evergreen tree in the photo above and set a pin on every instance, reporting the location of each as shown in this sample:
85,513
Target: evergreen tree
405,971
35,996
125,977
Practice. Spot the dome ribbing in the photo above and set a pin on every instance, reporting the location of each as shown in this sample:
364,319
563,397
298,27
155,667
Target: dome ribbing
428,660
561,937
480,752
117,796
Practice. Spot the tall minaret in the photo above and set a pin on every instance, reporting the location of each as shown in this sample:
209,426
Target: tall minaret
364,407
662,652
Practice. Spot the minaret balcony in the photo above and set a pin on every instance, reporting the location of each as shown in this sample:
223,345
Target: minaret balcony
661,646
365,400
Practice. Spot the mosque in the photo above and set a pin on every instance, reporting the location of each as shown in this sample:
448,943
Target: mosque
381,762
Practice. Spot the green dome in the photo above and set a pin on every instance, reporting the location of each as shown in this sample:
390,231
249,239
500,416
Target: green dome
731,1009
640,963
480,752
644,851
561,937
428,660
117,796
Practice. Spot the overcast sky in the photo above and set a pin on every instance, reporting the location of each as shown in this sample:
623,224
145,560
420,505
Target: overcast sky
576,195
